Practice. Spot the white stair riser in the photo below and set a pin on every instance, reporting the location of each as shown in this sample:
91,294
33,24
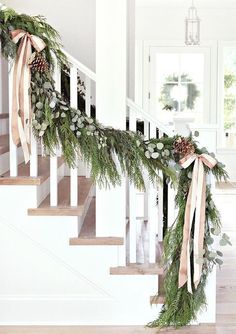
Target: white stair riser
4,126
4,160
44,189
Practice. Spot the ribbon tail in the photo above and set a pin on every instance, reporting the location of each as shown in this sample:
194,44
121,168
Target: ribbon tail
199,226
185,257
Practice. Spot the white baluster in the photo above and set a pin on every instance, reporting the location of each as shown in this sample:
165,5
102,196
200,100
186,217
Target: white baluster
33,155
146,135
88,96
132,202
73,171
171,205
12,146
160,204
53,181
53,158
152,211
87,110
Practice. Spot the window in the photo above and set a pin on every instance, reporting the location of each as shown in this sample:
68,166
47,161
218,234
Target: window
229,97
177,82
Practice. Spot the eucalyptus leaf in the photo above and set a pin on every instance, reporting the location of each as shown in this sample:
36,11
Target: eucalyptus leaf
52,104
160,146
47,85
64,108
147,154
209,241
155,155
212,255
39,105
219,253
219,261
223,242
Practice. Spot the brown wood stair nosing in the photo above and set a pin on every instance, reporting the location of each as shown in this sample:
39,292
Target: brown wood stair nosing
97,241
4,115
137,269
159,299
5,179
56,211
4,144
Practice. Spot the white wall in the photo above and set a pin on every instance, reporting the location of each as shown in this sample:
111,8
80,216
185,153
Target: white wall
74,19
165,19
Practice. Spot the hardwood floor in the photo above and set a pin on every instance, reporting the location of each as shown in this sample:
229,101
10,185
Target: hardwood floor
226,291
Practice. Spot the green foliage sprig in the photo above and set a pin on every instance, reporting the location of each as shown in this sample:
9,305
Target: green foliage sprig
111,153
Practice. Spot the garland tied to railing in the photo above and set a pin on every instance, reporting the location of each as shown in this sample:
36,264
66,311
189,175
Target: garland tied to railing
21,106
189,243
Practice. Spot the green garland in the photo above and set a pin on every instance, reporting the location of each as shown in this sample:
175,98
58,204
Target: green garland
111,153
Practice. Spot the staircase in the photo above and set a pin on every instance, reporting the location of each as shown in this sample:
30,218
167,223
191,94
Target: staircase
56,268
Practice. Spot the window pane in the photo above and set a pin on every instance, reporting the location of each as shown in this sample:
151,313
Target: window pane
230,97
192,67
167,67
167,96
193,101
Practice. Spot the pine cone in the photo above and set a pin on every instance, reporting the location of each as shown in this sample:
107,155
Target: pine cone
39,63
183,146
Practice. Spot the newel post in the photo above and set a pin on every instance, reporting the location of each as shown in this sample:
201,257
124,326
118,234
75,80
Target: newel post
111,16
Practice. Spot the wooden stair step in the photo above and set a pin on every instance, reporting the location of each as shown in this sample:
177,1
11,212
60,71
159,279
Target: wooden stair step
4,115
85,190
4,144
96,241
137,269
87,234
23,177
159,299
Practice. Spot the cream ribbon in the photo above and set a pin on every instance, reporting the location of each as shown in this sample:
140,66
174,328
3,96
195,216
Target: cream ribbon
21,106
196,204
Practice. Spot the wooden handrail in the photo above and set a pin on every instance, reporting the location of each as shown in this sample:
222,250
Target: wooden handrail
84,69
134,106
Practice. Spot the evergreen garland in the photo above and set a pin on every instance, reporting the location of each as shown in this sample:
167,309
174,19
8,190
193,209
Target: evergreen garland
111,153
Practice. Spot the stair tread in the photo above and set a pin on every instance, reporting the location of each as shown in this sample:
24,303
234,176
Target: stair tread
4,115
63,208
137,269
158,299
96,241
23,177
87,234
4,144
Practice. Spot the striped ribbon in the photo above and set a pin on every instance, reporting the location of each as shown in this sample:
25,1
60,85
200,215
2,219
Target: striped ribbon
195,207
21,106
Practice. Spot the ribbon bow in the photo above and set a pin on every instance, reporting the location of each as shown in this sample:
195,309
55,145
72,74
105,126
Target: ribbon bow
21,107
196,204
